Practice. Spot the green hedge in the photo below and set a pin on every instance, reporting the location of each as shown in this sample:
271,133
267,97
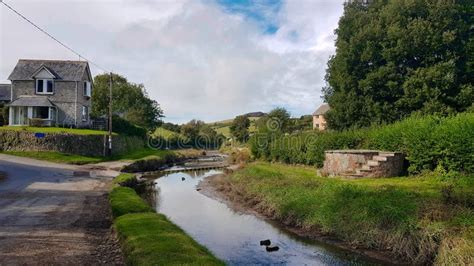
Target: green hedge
125,200
428,142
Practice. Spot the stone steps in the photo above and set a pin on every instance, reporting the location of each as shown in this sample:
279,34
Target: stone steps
372,166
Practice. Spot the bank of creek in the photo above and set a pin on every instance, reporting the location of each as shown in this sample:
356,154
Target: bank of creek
234,235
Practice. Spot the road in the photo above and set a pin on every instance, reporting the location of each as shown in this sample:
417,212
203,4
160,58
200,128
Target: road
54,214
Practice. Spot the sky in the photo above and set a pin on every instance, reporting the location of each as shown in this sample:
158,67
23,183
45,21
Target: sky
202,59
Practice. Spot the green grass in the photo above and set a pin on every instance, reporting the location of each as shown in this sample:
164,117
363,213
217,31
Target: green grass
151,239
56,157
165,133
223,130
125,200
123,178
409,216
141,154
223,127
75,131
59,157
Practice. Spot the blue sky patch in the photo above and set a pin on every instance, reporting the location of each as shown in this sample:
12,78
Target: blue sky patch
261,11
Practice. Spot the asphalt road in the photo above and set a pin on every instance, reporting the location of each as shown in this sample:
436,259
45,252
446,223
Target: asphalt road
54,214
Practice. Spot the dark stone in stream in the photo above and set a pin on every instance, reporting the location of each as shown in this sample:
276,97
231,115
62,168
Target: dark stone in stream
198,189
182,178
265,242
272,249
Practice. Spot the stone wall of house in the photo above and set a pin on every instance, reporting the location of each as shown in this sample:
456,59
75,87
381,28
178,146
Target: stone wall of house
64,97
319,122
87,145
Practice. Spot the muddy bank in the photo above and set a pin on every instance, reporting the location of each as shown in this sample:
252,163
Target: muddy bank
220,188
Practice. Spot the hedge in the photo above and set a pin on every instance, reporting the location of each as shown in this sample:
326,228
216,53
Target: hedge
428,142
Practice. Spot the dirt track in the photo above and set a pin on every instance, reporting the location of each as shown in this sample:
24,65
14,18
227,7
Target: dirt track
50,214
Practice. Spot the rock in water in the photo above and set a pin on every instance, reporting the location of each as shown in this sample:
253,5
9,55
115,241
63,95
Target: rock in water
182,178
265,242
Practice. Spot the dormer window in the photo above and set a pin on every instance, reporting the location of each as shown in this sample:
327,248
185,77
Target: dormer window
44,86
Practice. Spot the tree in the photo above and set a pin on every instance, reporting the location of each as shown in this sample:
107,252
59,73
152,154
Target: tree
130,100
277,120
239,128
394,58
191,129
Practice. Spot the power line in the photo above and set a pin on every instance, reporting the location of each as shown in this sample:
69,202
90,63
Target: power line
52,37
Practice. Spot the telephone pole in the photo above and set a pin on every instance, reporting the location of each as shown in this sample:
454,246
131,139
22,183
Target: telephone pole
109,150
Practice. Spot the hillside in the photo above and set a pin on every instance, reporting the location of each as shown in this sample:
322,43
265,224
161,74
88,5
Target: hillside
223,126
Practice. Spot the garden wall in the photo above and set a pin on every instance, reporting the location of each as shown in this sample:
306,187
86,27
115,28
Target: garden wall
87,145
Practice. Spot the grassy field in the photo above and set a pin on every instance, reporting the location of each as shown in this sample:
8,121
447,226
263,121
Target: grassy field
223,127
75,131
149,238
422,219
165,133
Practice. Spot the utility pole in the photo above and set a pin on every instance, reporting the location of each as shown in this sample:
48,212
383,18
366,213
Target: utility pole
110,116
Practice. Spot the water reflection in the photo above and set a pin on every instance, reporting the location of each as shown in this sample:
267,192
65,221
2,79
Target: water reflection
235,237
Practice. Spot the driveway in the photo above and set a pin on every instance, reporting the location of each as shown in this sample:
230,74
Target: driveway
54,214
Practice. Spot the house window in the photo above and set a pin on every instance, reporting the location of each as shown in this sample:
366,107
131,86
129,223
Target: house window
87,89
85,113
317,116
44,86
41,112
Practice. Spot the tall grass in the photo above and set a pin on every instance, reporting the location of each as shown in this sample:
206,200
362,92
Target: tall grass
412,217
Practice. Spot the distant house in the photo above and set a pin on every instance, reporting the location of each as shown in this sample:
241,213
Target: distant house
319,121
50,92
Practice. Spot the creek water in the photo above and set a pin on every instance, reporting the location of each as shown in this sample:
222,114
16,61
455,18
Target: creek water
235,237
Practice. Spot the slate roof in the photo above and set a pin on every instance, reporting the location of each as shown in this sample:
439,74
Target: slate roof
322,109
32,101
5,92
63,70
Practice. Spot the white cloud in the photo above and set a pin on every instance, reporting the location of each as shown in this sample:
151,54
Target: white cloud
195,59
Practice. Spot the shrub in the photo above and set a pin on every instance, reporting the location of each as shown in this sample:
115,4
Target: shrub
122,126
428,142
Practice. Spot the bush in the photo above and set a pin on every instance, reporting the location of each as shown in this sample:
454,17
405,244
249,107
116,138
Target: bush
428,142
122,126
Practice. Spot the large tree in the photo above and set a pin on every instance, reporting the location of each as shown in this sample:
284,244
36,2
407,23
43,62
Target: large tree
277,120
394,58
240,128
130,100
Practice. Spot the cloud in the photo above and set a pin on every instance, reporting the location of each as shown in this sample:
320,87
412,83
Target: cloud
197,59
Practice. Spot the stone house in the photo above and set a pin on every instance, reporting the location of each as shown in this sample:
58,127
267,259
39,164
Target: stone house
319,121
5,93
50,92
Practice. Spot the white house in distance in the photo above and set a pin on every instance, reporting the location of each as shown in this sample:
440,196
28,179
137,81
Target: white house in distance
319,121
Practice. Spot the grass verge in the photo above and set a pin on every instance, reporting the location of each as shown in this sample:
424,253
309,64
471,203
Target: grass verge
149,238
76,131
125,200
57,157
423,219
139,154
